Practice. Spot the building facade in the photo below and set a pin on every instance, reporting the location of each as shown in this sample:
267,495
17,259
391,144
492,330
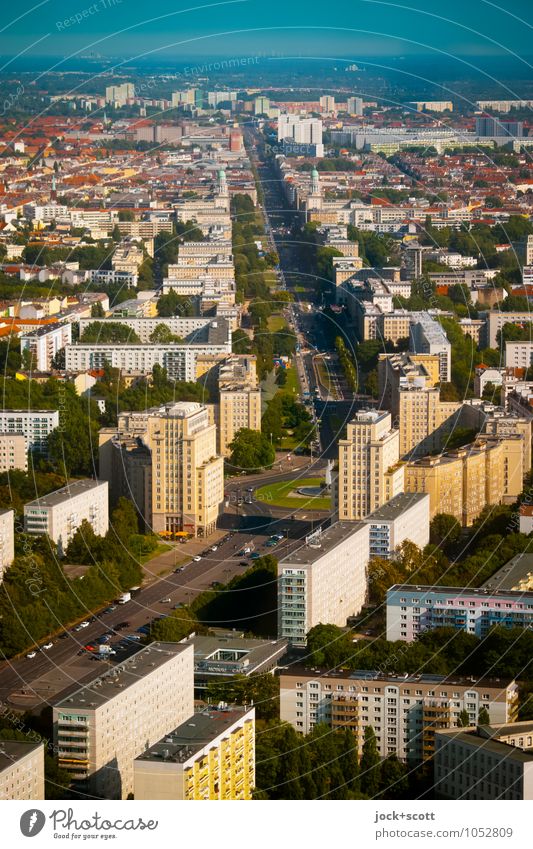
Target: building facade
404,711
59,514
211,756
21,771
404,517
13,452
323,581
101,728
35,425
7,540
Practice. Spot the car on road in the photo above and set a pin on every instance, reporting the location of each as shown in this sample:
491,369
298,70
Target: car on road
47,646
31,654
165,600
255,555
197,558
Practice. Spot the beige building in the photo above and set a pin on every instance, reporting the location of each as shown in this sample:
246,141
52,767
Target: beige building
7,540
369,474
211,756
405,712
21,770
485,762
128,256
239,399
462,482
101,728
13,454
166,459
323,581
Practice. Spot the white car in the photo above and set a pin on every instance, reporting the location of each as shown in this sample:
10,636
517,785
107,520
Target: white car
197,558
31,654
47,646
84,624
214,548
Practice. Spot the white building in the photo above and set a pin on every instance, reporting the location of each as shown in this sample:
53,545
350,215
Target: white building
48,212
404,517
485,762
35,425
518,354
44,343
101,728
427,336
7,540
191,330
323,581
178,360
21,770
59,514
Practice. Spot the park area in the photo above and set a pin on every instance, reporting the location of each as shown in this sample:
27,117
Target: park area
284,494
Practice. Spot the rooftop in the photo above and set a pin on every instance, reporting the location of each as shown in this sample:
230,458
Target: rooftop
231,654
466,591
195,734
511,574
71,490
396,506
320,543
108,685
377,675
12,751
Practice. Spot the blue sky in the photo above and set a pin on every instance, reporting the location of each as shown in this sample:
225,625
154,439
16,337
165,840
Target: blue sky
244,27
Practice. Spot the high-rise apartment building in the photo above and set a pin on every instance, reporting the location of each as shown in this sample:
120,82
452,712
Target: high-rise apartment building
404,711
429,337
13,452
404,517
239,399
102,727
369,474
166,459
119,94
43,344
35,425
327,103
323,581
490,126
354,105
209,756
21,770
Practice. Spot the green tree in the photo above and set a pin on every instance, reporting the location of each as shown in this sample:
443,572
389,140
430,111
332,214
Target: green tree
369,768
483,716
179,625
251,450
464,720
162,335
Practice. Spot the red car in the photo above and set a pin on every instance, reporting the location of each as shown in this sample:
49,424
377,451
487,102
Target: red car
90,648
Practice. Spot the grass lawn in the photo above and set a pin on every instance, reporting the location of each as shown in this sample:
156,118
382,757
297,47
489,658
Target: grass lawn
276,322
271,278
293,384
324,378
277,494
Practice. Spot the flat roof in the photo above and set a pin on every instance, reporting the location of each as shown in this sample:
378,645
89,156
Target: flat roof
108,685
12,751
322,544
511,573
396,506
298,671
195,734
71,490
481,591
230,654
497,747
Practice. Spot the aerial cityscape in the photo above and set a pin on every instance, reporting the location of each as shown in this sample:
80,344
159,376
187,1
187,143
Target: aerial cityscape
266,343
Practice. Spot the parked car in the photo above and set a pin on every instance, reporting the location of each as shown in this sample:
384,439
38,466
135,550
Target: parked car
197,558
47,646
84,624
243,563
214,548
255,555
166,600
31,654
122,625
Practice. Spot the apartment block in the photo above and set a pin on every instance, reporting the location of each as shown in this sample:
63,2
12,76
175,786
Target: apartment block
13,452
210,756
495,321
412,609
43,344
405,711
323,581
404,517
102,727
35,425
518,354
166,459
178,360
196,331
463,481
7,540
222,655
368,474
239,399
429,337
485,762
59,514
21,771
